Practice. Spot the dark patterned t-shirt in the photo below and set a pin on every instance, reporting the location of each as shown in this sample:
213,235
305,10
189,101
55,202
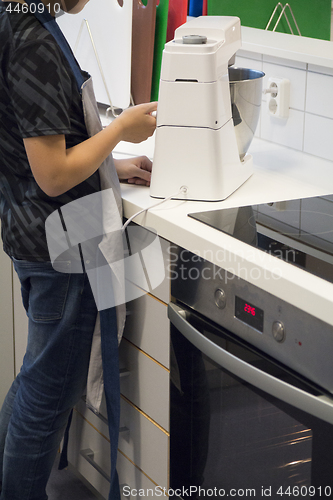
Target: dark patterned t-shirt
38,97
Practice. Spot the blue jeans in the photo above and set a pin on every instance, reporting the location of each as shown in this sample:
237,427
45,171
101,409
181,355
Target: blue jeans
62,315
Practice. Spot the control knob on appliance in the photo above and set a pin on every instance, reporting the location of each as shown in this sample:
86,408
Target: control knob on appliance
278,331
220,298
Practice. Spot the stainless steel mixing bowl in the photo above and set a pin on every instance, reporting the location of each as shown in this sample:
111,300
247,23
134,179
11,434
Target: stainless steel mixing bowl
246,93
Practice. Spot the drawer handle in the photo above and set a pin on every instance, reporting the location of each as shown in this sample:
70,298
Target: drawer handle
123,372
123,429
88,455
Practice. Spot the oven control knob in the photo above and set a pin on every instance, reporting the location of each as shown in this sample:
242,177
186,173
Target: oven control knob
220,298
278,331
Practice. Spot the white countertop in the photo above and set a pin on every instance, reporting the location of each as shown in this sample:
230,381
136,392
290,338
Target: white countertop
292,47
279,174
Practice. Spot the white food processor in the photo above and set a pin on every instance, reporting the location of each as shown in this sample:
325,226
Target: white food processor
205,123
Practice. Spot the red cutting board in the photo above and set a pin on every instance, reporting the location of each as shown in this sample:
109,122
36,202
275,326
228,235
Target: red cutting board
176,16
143,36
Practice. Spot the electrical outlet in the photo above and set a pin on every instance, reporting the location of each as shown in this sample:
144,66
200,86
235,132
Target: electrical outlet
278,94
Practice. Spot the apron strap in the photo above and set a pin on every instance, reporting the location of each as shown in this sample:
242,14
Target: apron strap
63,462
109,341
44,17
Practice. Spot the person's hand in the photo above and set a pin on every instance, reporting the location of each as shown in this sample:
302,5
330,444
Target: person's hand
134,170
137,123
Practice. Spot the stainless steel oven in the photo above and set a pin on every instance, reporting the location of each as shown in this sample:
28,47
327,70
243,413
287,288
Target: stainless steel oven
251,389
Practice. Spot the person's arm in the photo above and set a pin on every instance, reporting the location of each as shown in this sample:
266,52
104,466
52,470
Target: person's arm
57,169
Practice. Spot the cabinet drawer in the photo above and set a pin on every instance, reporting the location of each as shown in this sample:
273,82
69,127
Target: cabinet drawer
99,422
145,383
89,453
145,444
132,480
147,327
162,291
145,247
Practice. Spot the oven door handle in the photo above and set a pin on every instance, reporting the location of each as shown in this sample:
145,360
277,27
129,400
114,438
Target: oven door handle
318,406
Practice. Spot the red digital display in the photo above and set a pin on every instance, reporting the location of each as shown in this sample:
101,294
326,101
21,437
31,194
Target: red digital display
250,309
249,314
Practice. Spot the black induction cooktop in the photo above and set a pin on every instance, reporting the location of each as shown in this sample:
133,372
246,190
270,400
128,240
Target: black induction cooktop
298,231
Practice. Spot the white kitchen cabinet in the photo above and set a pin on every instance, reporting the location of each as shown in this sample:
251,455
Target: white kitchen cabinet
145,383
20,319
147,329
145,444
13,325
129,474
7,361
89,454
143,449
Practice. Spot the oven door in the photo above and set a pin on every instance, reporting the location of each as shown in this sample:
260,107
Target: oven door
241,424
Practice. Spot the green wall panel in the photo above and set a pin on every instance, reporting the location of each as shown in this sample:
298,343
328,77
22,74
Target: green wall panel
313,16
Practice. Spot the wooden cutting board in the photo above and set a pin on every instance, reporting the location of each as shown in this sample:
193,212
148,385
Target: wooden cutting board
143,36
111,29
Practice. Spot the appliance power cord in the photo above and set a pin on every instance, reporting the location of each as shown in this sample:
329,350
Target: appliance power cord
183,190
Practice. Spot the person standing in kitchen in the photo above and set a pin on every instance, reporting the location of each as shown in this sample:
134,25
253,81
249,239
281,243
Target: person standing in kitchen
52,151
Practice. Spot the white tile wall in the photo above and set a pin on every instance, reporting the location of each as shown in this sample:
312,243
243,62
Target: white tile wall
284,62
249,55
319,95
286,132
309,127
318,136
320,69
